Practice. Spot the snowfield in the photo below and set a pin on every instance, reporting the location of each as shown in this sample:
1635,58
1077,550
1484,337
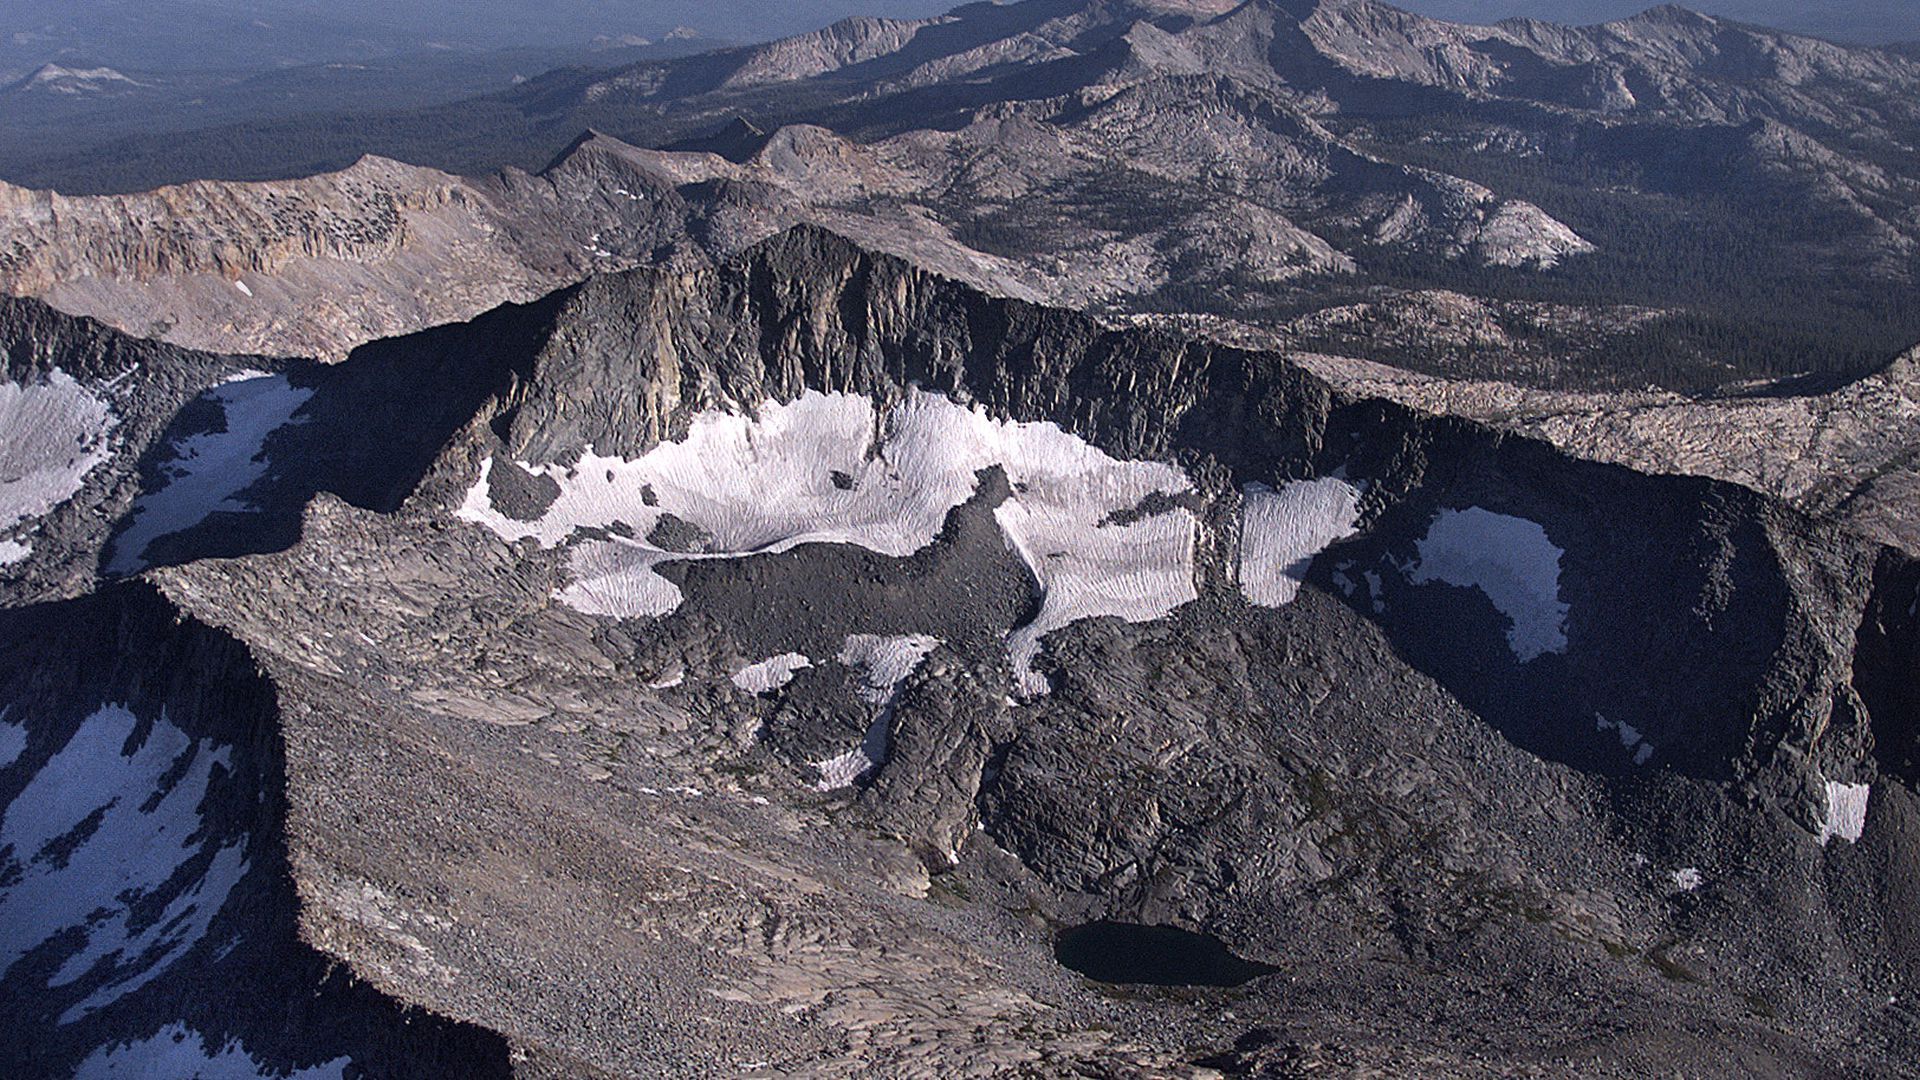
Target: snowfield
107,847
885,661
1281,532
208,472
1846,812
834,468
52,434
770,674
1630,738
13,743
178,1050
1509,559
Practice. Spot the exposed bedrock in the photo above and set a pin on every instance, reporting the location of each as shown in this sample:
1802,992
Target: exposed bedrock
775,656
151,921
169,455
1714,621
1519,688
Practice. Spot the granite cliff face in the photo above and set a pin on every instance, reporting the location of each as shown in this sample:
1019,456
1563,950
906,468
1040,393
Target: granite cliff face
775,655
315,267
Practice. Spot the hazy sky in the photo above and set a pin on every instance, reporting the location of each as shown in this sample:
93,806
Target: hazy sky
267,33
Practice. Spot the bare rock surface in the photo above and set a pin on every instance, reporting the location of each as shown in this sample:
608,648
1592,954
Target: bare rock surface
1566,811
1284,472
1526,202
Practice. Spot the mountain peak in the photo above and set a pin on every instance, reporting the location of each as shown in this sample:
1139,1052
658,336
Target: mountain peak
586,138
1673,16
737,140
61,79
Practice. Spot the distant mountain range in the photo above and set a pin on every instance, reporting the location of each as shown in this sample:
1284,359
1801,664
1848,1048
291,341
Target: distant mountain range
1865,22
252,35
1079,538
75,107
1602,206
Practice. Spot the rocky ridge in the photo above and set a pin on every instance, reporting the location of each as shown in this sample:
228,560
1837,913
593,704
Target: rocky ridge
1372,787
1278,165
318,266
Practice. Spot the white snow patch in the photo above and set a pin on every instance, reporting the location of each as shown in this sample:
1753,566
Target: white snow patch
1065,490
52,434
770,674
13,551
668,682
765,482
1846,812
885,661
148,844
178,1050
885,664
242,286
1509,559
1629,738
1281,532
1687,878
209,471
615,577
846,769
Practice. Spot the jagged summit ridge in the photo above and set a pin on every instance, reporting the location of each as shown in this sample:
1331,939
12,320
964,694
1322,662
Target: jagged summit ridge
1250,163
881,510
1312,757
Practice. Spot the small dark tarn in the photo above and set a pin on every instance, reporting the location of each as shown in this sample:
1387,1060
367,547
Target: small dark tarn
1115,952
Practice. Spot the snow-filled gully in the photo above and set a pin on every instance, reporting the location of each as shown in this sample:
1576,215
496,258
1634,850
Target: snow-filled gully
208,473
107,850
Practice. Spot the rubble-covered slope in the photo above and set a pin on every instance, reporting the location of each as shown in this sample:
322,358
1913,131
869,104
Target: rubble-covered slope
930,624
320,265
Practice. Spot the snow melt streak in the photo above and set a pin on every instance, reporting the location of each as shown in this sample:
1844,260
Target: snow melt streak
1509,559
1281,531
833,468
208,471
72,871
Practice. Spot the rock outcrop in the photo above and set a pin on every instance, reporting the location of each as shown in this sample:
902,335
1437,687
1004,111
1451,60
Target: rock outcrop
1277,165
1552,764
